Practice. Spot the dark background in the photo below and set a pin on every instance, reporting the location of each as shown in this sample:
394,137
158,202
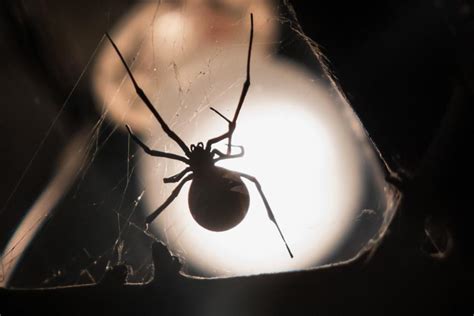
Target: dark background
407,69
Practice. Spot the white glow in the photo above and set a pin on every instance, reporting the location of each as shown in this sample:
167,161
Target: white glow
298,147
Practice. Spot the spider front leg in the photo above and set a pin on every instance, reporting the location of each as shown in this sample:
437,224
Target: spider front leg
154,153
223,156
270,214
168,201
243,94
148,103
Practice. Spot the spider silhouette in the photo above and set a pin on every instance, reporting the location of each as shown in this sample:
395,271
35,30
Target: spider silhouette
218,198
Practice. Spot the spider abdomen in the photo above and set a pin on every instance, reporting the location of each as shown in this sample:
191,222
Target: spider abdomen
218,199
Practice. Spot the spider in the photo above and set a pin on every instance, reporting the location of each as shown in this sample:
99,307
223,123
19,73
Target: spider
218,198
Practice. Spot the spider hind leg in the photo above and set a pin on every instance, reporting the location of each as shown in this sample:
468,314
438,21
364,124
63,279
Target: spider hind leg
270,214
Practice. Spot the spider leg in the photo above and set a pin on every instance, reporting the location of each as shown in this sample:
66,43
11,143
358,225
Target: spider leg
177,176
270,214
154,153
148,103
223,156
243,94
220,114
150,218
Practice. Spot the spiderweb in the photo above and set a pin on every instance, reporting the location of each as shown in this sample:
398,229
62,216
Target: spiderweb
88,215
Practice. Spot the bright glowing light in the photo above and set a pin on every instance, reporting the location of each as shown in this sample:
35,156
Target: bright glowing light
304,155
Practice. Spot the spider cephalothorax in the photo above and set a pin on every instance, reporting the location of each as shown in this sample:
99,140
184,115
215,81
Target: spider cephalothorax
218,198
200,158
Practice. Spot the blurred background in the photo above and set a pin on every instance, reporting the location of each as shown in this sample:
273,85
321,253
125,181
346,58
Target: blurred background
405,67
304,144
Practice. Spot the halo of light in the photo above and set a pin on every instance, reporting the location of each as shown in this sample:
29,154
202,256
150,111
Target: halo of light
298,144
